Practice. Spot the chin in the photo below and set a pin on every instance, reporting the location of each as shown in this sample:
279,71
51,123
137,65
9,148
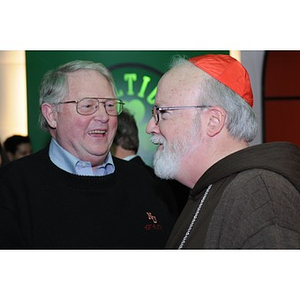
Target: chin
165,169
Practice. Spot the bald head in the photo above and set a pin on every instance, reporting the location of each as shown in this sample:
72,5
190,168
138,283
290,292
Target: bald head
181,84
187,84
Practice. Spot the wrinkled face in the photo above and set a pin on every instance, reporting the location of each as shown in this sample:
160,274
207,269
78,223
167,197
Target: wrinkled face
178,132
87,137
172,152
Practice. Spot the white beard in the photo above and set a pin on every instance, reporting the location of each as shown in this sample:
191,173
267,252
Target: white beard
167,161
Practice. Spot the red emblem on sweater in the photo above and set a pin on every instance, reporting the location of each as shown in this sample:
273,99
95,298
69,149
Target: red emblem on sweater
150,217
154,225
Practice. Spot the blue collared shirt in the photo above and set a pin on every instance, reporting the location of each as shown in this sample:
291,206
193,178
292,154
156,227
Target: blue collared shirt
69,163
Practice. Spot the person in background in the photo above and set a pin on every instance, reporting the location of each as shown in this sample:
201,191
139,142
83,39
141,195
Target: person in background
17,146
126,142
3,157
243,197
73,194
126,146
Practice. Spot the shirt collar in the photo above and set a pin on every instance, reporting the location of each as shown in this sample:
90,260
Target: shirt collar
69,163
130,157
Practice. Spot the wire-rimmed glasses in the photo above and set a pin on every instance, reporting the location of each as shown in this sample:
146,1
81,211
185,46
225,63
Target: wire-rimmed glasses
156,110
87,106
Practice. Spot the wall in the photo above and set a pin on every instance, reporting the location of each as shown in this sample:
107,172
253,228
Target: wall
253,61
13,107
281,97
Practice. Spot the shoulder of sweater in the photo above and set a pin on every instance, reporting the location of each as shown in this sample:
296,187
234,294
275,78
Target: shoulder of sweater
24,163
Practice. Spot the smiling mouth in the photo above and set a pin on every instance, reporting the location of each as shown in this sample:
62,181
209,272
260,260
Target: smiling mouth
97,132
160,146
156,141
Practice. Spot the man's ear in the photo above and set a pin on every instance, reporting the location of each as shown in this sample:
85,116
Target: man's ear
49,114
217,118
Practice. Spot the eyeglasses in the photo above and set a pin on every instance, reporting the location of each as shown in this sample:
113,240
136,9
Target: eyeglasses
87,106
156,110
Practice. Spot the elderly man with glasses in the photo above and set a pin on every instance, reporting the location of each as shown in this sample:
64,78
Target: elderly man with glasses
241,197
73,194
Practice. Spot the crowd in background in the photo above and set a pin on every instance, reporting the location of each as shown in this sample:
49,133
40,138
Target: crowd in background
14,147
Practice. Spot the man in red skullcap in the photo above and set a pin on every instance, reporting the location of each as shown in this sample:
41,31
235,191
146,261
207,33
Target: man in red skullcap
241,196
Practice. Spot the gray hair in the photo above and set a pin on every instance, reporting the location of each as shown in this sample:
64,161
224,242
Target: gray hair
54,86
241,121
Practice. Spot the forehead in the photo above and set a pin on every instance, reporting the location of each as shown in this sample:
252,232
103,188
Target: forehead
180,84
88,81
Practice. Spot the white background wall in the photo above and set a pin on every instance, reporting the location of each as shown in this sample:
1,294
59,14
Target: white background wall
13,103
253,61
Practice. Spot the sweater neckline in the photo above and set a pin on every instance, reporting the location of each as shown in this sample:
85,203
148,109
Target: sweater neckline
74,180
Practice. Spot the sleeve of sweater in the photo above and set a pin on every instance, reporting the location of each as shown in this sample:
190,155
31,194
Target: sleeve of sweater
10,235
259,209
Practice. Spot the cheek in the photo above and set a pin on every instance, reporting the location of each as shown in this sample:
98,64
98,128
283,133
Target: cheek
71,125
169,131
113,124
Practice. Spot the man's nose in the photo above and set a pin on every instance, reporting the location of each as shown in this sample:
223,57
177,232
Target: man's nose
152,127
101,113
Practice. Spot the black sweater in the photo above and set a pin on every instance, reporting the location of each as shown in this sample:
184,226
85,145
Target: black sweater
44,207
